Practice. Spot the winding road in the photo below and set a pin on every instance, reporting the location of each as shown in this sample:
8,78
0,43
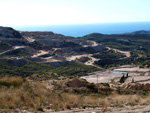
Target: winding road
12,49
126,53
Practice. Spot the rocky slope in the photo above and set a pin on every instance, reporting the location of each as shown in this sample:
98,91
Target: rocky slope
9,32
11,36
44,47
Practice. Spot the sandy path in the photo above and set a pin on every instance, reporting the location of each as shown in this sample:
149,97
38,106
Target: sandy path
14,48
41,52
29,39
138,79
92,45
126,53
133,69
77,57
90,62
6,51
92,59
126,109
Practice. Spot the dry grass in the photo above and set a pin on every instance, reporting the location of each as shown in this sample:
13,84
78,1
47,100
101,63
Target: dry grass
16,93
72,100
35,96
117,100
10,81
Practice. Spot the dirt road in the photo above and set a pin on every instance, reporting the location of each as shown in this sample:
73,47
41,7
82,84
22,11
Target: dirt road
126,53
41,52
126,109
13,48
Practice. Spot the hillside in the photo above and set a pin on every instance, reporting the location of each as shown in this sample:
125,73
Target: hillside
121,41
11,36
55,51
137,44
49,72
8,32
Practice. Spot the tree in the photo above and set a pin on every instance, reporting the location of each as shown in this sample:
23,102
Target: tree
122,79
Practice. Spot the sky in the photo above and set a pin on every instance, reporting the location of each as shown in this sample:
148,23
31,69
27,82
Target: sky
47,12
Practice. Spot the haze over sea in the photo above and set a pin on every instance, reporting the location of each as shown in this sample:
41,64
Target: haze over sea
78,30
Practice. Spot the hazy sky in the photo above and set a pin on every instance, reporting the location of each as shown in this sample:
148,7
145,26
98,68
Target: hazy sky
46,12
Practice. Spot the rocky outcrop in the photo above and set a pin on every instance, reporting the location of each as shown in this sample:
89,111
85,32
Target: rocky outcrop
76,83
11,36
8,32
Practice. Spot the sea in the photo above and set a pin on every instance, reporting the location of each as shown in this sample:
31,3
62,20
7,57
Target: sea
79,30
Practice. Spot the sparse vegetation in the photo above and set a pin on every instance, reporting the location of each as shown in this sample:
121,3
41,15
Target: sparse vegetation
16,92
36,86
75,69
4,46
125,42
137,44
16,53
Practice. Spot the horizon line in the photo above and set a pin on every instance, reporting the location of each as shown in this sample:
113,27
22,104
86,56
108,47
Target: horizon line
76,24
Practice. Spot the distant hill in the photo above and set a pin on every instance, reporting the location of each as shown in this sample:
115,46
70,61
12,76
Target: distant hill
140,32
44,34
125,42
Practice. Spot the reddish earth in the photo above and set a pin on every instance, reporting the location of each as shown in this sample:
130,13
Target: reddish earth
76,83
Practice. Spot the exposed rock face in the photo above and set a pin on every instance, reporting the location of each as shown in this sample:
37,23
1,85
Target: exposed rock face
58,40
51,39
76,83
11,36
8,32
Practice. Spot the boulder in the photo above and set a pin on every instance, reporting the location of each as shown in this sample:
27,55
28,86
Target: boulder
76,83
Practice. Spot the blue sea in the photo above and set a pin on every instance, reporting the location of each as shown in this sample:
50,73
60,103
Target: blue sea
78,30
